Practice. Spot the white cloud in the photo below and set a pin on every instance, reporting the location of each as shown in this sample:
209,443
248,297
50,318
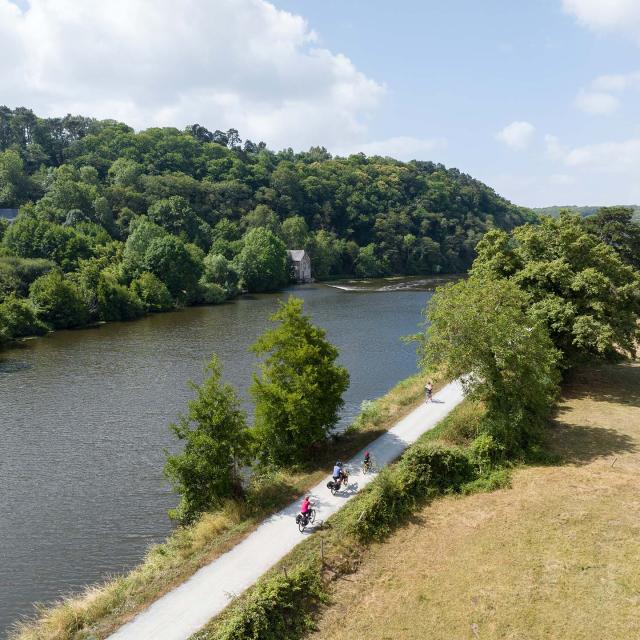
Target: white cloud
517,135
599,98
228,63
617,82
614,157
607,15
597,102
401,147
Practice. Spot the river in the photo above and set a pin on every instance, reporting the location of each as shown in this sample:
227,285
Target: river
84,415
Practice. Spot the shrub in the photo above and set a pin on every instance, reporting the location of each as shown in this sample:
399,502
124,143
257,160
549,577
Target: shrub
115,301
58,301
152,292
277,609
211,293
424,471
485,452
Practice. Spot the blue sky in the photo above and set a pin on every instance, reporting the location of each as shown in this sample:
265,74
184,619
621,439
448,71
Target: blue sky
539,99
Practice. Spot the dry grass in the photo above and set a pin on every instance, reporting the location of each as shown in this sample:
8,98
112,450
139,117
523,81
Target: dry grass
554,557
103,608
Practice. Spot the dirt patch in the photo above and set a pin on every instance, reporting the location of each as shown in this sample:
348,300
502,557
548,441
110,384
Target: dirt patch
555,556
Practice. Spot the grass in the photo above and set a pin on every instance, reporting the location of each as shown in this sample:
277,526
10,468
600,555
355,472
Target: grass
102,608
336,550
554,556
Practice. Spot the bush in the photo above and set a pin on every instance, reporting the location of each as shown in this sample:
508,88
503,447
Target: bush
485,452
115,301
152,292
18,318
17,274
58,301
211,293
424,471
277,609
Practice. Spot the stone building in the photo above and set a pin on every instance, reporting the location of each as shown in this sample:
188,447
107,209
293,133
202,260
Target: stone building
301,264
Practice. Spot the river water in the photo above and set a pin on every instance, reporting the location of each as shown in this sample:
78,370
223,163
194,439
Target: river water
84,415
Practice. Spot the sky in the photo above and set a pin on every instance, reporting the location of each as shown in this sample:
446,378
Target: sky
539,99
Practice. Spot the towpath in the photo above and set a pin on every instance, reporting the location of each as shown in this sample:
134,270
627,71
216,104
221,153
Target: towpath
181,612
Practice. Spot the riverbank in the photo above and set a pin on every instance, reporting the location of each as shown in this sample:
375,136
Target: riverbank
389,283
554,556
101,609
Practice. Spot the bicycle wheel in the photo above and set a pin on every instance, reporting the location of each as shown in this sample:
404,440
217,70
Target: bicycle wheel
301,525
312,516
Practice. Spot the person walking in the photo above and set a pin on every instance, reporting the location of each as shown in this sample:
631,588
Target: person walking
428,391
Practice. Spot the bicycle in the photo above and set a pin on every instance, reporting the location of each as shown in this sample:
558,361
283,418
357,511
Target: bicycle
367,466
304,520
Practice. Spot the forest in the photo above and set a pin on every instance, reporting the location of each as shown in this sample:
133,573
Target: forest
115,223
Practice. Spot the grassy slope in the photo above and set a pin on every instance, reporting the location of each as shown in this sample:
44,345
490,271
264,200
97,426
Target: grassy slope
103,608
555,556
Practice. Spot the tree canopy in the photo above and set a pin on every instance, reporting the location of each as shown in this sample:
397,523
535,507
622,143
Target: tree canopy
587,297
159,201
216,442
299,391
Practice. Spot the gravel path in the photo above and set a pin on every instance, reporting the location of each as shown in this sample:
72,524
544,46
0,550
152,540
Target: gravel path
181,612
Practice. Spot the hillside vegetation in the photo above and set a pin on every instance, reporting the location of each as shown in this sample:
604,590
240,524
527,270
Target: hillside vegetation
554,556
115,223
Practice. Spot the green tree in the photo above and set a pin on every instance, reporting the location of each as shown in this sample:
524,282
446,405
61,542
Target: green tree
263,216
579,287
479,330
615,227
18,318
115,301
295,232
59,301
15,186
216,442
299,391
32,238
171,261
262,264
218,270
152,292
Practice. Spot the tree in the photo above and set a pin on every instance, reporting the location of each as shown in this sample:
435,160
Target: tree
295,232
299,391
615,227
263,216
115,301
15,186
218,270
479,329
588,299
152,292
262,263
33,238
18,318
172,262
58,301
216,442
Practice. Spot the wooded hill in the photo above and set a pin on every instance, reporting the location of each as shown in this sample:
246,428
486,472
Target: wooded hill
139,221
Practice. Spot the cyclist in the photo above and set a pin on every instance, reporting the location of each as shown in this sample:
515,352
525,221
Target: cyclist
305,507
367,461
338,474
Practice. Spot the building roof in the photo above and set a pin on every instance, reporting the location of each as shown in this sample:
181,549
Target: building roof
296,254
